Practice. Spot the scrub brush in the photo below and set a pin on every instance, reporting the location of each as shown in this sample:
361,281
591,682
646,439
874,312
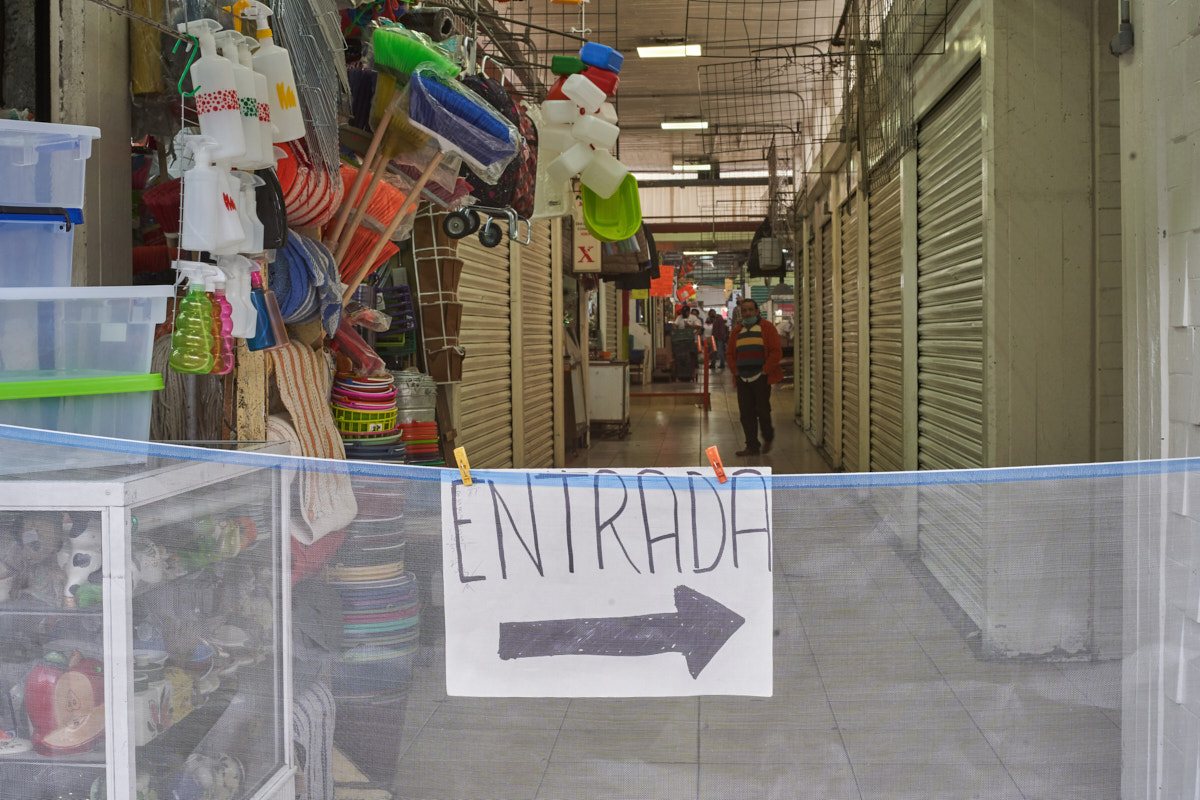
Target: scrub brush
397,53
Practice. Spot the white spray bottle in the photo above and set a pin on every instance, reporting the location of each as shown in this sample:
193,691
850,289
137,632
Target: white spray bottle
232,221
227,44
237,290
205,217
248,206
216,93
274,62
266,130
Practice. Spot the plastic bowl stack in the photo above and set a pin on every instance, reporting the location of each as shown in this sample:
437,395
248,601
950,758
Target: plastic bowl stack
421,443
365,412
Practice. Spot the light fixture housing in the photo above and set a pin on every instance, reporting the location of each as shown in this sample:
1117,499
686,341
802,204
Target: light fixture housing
685,125
699,252
669,51
650,177
691,167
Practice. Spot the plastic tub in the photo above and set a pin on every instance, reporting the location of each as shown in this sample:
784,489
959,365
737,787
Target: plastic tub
42,164
65,333
100,405
36,249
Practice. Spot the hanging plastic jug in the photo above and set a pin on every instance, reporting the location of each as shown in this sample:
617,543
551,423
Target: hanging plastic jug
266,130
237,291
248,208
216,93
228,43
210,220
275,64
191,341
232,221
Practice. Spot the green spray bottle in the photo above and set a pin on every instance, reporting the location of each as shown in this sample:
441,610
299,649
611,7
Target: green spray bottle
192,340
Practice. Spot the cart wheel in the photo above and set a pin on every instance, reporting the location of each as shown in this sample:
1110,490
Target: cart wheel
490,234
457,225
473,220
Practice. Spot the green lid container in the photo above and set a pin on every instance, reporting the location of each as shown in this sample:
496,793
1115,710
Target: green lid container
79,387
566,65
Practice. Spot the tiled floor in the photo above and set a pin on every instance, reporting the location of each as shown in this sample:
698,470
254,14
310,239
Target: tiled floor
877,694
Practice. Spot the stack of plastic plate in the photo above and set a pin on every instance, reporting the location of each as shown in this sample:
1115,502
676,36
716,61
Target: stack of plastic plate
365,412
380,607
421,442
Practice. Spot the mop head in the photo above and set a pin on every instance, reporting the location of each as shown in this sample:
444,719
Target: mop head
398,52
463,123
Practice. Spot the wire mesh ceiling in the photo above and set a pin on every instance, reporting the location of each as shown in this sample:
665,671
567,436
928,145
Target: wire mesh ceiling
758,28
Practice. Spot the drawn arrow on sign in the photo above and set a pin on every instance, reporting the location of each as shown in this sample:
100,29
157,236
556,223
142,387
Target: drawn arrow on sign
698,629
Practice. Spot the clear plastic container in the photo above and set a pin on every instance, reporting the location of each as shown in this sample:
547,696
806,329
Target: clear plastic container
35,250
64,333
96,404
42,164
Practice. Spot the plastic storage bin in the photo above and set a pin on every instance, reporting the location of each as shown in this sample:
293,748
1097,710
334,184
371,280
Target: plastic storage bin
42,164
36,249
100,405
65,333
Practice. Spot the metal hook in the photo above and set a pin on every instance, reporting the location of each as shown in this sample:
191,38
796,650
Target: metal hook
192,48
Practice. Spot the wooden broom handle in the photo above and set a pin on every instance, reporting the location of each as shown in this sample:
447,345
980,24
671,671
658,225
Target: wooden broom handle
377,170
411,201
384,121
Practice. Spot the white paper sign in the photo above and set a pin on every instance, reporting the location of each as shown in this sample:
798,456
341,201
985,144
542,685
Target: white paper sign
615,583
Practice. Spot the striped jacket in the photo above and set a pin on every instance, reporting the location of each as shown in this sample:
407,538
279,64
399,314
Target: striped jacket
771,342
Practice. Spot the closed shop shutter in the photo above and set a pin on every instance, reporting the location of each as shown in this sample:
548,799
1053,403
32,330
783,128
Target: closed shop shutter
850,402
485,394
537,354
886,352
827,365
813,360
950,338
612,315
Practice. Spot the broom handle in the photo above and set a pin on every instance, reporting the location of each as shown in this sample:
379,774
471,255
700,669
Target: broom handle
377,170
384,121
414,197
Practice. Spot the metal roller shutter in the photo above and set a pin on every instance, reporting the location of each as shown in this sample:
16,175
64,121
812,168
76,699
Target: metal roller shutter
613,316
887,443
537,353
849,367
813,364
950,339
485,394
827,365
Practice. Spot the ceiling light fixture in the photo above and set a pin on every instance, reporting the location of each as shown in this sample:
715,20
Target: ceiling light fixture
647,177
685,125
756,173
669,51
691,167
699,252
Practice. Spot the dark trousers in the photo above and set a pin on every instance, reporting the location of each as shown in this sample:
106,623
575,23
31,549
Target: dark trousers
754,407
719,356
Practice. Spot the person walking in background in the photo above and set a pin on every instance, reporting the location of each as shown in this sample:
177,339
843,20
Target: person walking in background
754,353
720,335
683,345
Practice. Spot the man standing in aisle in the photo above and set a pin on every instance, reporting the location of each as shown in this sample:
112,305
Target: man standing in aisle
753,354
720,334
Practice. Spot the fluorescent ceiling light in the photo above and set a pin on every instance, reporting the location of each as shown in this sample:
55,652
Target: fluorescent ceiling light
699,252
756,173
685,125
669,51
646,177
691,167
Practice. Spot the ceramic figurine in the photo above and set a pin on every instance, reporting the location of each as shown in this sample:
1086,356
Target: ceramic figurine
64,698
81,559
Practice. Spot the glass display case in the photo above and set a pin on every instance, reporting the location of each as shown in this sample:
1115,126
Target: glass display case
143,619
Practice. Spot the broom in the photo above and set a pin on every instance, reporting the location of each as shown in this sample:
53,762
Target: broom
397,53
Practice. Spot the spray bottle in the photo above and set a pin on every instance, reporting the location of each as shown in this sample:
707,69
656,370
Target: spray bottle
274,62
228,43
248,208
191,341
271,334
210,221
237,290
222,320
232,220
266,130
216,93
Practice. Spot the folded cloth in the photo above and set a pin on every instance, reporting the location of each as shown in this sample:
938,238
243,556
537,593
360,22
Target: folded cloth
327,501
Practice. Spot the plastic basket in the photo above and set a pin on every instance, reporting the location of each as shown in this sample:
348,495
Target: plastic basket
363,422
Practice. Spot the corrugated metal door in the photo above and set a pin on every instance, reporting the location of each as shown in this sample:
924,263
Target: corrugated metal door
950,338
827,365
485,394
849,365
537,353
887,443
814,342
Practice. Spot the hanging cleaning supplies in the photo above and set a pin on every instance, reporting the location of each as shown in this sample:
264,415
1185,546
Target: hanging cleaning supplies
248,207
270,334
210,219
216,93
191,341
266,130
227,45
222,320
274,62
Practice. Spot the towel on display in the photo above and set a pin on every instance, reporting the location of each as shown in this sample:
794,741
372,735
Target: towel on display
305,279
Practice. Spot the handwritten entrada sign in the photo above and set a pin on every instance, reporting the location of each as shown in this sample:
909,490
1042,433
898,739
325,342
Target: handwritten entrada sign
616,583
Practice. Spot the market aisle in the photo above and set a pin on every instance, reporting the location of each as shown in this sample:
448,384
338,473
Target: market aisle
878,694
